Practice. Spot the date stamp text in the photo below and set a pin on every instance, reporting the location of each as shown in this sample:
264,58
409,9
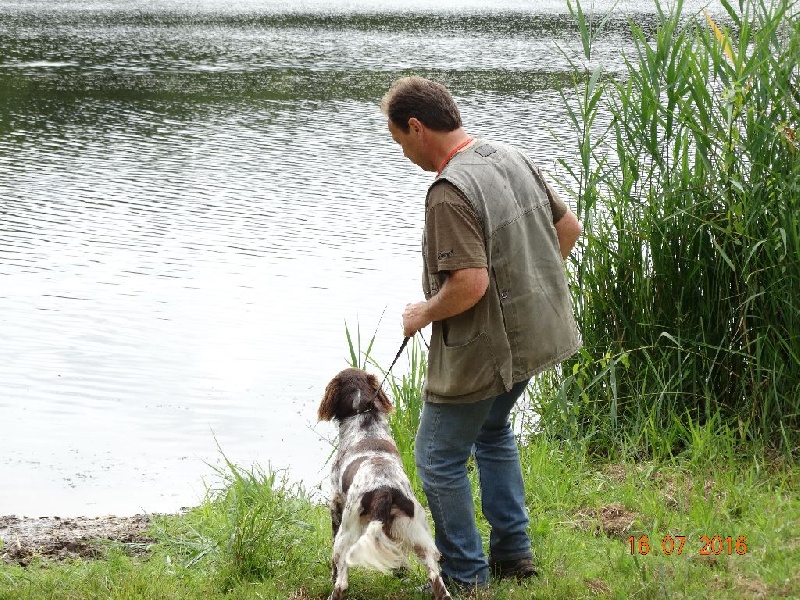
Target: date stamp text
676,545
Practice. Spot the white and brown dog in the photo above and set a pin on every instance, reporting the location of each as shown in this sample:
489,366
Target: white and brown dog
377,522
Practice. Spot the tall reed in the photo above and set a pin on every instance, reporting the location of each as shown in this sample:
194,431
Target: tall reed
688,275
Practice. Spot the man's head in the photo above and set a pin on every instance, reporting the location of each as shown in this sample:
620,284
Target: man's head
423,119
422,99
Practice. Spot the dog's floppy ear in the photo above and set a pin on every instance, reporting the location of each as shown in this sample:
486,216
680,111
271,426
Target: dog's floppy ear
327,408
381,402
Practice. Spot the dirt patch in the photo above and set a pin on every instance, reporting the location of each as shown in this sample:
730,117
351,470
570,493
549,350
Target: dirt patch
616,472
597,586
62,538
613,520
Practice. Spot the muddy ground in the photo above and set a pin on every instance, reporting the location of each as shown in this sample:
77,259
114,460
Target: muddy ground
24,538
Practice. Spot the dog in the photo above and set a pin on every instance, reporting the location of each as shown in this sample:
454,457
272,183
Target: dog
377,521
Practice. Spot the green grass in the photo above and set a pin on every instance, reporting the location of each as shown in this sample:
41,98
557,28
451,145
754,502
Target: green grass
259,537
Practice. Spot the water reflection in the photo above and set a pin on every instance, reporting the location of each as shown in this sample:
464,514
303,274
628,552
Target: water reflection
172,281
195,199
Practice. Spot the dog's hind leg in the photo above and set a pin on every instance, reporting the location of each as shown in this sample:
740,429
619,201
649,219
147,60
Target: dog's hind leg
340,585
425,550
337,508
429,556
341,546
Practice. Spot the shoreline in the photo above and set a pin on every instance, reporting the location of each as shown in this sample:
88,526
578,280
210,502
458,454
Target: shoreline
61,538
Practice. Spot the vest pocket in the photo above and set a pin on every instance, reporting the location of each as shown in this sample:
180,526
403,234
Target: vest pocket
462,369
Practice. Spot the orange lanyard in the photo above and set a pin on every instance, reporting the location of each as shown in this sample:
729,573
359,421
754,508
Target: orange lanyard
453,153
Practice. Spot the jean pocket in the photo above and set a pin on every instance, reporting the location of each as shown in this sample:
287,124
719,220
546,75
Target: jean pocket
460,370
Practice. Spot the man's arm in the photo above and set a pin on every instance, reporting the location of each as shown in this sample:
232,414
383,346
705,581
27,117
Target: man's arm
461,291
568,230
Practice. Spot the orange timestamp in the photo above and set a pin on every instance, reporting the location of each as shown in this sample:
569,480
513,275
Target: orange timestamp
676,545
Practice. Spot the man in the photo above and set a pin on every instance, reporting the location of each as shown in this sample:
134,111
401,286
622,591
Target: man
496,294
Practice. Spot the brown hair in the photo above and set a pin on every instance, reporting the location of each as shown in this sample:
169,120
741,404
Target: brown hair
428,101
337,402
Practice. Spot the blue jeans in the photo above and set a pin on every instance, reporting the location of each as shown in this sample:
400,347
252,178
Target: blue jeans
448,434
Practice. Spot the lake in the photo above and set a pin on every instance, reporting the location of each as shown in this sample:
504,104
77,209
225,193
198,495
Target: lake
196,197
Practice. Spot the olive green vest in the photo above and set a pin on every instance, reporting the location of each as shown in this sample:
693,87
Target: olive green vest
524,323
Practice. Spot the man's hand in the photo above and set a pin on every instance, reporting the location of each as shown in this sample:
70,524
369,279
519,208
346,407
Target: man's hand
461,291
414,318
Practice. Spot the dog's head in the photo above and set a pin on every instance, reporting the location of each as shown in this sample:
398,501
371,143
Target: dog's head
352,392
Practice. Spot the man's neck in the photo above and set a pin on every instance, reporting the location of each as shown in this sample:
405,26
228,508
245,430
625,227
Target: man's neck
443,143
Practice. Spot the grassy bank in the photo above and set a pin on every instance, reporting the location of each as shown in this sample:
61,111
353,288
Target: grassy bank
597,531
718,521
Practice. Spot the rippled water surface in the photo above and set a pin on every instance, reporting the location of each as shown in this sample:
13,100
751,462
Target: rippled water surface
195,197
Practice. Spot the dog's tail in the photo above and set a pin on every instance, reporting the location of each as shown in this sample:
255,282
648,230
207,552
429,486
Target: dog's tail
376,548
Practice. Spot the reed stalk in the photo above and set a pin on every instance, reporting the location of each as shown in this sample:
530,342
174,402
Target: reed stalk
688,274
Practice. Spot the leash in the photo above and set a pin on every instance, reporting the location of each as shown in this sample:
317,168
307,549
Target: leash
396,356
399,352
371,405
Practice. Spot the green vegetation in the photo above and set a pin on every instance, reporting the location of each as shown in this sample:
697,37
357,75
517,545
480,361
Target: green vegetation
662,462
688,274
599,530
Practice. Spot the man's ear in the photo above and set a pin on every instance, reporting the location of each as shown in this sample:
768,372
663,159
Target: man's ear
415,125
